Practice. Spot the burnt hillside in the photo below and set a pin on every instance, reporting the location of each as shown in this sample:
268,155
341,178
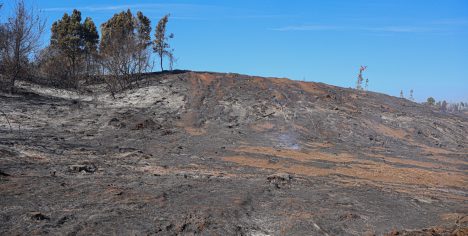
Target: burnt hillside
210,153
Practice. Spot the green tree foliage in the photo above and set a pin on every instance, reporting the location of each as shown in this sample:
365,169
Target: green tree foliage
116,31
161,42
125,39
91,40
67,35
431,101
90,35
143,27
76,40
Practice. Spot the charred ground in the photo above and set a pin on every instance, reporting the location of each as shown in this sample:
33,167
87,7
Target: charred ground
210,153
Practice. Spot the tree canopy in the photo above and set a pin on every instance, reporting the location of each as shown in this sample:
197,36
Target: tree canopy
431,101
124,40
74,38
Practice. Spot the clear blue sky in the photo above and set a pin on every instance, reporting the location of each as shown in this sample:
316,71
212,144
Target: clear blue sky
406,44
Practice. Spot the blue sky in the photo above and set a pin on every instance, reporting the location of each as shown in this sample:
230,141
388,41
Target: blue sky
406,44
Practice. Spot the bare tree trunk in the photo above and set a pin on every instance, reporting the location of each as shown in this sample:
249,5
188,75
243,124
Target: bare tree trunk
24,29
12,83
161,61
17,62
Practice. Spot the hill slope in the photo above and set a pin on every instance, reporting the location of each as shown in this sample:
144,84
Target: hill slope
209,153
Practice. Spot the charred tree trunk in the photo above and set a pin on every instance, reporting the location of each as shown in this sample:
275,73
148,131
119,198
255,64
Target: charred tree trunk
161,61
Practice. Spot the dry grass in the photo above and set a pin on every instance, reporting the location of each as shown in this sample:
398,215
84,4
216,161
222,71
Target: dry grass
350,166
262,126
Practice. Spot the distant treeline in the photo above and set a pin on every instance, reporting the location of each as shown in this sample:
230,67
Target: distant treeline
447,107
119,53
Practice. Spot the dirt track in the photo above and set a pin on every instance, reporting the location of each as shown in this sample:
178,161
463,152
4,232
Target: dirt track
227,154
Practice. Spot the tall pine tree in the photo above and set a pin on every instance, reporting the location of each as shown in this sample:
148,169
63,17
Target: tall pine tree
124,42
75,40
161,42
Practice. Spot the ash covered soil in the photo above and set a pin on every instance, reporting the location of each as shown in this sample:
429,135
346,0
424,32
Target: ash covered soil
194,153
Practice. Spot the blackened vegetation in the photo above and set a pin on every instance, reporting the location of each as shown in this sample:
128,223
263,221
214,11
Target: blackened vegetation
201,153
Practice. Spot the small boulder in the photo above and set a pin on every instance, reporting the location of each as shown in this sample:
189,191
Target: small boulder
88,168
